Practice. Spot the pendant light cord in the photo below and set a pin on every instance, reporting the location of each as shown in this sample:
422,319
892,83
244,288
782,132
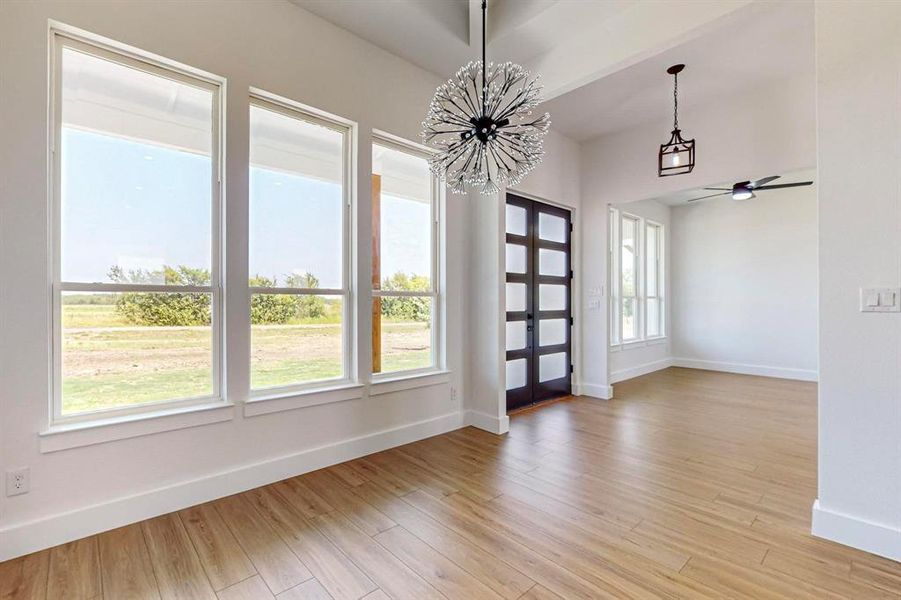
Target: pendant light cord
675,101
484,64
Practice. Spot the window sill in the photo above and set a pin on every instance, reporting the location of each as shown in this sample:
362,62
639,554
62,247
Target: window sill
291,400
407,381
638,344
88,433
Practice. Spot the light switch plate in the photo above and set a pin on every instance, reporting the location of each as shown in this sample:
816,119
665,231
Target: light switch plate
880,299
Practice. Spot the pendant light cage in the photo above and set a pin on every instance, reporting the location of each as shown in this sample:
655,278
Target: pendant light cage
677,156
482,125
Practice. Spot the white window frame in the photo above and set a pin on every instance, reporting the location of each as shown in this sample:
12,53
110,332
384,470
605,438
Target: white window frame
131,58
659,284
437,198
294,110
614,262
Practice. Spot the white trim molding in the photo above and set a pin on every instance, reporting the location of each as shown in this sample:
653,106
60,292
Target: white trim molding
747,369
23,538
596,390
876,538
639,370
496,425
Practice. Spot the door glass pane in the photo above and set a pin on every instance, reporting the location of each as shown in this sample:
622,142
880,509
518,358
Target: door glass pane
516,335
516,373
296,202
552,366
134,348
516,258
551,228
630,322
136,174
516,297
552,332
551,297
653,318
552,262
295,339
516,220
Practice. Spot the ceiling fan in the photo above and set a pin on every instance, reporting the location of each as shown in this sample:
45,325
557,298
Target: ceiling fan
745,189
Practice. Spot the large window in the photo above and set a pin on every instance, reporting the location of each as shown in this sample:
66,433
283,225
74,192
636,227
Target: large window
636,278
136,269
404,260
299,279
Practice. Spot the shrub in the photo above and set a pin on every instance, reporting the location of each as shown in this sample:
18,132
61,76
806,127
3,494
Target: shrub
406,308
163,309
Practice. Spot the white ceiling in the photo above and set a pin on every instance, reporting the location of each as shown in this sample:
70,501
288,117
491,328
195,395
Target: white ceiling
443,35
603,62
772,42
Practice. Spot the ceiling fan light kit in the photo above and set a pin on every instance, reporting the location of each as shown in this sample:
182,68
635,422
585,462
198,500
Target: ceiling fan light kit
482,126
677,156
743,190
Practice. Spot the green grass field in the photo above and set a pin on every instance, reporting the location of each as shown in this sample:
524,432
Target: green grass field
108,362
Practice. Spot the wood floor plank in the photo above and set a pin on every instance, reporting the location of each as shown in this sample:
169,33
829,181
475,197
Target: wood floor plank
220,554
25,578
309,590
274,561
125,566
252,588
434,567
333,570
388,572
332,490
488,568
75,570
176,565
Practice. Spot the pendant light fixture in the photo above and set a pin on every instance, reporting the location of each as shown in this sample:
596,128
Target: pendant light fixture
677,156
481,124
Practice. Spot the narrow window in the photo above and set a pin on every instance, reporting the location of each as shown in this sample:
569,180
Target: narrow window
653,280
404,260
136,271
629,265
299,279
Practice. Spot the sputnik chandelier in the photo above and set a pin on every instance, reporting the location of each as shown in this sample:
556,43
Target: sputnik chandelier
485,135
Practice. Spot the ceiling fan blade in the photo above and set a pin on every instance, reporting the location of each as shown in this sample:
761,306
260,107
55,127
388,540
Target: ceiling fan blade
783,185
710,196
763,181
721,189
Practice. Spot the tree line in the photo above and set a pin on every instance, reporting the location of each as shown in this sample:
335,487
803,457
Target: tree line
193,309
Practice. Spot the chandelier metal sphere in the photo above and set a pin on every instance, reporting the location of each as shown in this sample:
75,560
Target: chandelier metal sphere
482,126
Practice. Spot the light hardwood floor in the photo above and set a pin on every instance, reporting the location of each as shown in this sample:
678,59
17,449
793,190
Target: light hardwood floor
689,484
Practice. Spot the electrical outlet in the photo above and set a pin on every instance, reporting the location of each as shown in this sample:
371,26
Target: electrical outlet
453,394
17,481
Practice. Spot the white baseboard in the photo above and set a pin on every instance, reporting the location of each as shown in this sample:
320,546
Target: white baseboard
747,369
638,370
24,538
857,533
498,425
596,390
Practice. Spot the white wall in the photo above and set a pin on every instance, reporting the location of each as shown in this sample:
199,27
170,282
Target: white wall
272,45
859,148
744,277
632,360
769,131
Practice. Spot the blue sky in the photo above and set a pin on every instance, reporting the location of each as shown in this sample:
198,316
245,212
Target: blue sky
138,205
